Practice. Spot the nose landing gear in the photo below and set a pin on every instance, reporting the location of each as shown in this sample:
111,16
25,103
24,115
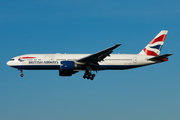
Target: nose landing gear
21,73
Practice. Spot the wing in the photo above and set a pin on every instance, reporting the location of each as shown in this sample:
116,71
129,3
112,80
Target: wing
99,56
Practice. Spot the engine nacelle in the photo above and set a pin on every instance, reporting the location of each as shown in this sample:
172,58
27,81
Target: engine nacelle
66,68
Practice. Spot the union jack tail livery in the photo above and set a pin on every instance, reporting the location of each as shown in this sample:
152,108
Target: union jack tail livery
154,47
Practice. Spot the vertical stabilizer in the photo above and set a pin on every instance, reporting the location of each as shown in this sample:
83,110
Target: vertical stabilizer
154,47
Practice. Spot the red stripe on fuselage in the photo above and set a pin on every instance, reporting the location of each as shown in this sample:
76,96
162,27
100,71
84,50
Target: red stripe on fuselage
27,57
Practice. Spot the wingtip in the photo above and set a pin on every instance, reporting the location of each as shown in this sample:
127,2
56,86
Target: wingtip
118,44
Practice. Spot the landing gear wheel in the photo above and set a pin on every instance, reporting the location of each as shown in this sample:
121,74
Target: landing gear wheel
84,76
21,72
21,75
88,75
91,77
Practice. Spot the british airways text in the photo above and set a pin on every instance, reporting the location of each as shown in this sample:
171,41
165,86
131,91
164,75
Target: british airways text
43,62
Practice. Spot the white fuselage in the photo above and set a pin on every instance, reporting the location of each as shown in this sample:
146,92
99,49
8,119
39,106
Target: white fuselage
53,61
69,64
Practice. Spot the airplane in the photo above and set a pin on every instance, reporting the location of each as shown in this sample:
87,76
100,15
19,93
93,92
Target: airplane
69,64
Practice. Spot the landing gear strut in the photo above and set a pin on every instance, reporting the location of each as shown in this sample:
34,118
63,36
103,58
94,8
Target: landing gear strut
88,75
21,73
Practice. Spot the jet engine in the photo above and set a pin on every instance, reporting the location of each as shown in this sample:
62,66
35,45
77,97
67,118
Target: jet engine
67,68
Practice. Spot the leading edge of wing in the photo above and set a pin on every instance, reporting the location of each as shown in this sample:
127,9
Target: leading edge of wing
99,56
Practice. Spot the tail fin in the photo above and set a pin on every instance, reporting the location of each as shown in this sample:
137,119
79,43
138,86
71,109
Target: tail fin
154,47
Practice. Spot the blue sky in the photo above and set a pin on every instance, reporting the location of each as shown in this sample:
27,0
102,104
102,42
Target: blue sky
42,26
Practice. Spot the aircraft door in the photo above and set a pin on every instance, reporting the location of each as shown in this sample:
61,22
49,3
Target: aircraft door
134,59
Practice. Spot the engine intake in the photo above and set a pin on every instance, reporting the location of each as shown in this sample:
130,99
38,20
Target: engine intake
66,68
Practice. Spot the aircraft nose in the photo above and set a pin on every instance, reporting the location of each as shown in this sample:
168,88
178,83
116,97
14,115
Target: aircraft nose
8,63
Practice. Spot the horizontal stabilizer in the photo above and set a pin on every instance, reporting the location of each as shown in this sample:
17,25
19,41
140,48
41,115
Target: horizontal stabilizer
161,57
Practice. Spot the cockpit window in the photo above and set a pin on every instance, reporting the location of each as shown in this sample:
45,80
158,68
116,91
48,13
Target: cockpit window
12,59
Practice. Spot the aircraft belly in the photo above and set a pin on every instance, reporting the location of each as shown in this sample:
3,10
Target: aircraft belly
117,67
37,67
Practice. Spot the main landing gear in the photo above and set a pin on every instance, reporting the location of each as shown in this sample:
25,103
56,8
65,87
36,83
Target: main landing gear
88,75
21,73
